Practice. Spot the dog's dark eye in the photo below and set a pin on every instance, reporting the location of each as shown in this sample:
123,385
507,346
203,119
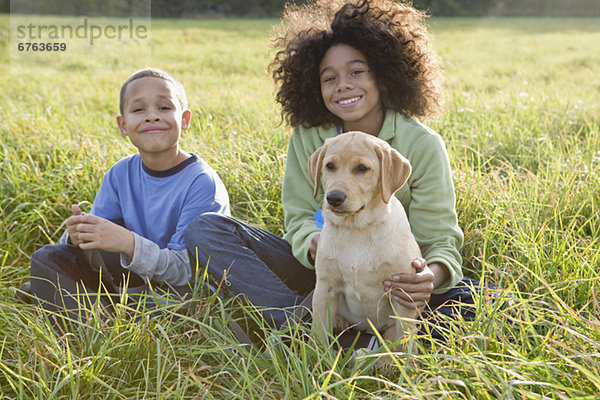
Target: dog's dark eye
330,166
362,168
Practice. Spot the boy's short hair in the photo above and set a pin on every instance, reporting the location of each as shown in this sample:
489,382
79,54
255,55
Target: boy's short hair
156,73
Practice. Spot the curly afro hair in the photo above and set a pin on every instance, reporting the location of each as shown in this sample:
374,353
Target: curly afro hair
391,35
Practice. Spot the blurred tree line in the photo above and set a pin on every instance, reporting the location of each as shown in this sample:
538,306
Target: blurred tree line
195,8
511,8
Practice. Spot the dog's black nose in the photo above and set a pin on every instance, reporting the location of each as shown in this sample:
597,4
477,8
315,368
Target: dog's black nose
336,198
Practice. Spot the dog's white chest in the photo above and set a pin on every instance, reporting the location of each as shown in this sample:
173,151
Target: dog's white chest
356,274
356,264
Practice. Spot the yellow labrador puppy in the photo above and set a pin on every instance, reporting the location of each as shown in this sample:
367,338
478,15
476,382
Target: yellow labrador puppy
366,237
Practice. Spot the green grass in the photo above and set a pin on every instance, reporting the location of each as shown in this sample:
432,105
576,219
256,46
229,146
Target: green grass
521,124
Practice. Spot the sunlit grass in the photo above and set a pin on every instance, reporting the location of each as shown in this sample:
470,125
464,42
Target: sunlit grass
522,128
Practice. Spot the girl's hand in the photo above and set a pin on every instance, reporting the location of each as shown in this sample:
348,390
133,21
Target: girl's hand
412,290
312,249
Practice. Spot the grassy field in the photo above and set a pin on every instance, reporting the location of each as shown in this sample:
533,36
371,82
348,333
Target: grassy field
521,124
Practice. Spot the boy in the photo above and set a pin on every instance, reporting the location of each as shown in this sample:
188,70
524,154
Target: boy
144,203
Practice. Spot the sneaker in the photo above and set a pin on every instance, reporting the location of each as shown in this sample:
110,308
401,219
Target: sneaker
362,344
23,293
352,339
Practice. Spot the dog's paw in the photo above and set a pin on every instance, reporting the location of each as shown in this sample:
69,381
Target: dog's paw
341,323
385,364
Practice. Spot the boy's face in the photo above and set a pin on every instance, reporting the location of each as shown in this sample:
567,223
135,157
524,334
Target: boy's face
152,116
348,87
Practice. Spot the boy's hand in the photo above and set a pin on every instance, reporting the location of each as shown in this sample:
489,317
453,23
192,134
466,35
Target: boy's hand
72,225
91,232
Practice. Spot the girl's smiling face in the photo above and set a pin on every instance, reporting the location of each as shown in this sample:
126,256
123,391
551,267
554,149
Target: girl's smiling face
349,89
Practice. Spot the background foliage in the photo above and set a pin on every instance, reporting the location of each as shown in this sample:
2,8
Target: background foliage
522,127
191,8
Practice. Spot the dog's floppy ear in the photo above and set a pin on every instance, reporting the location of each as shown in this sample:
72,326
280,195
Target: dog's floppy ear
394,170
315,163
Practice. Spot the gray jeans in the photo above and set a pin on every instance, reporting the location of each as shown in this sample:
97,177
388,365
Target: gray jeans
67,283
251,262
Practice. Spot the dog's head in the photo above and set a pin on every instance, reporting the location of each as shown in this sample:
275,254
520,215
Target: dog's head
356,169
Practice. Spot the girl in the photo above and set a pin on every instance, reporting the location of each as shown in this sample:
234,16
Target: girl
367,66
